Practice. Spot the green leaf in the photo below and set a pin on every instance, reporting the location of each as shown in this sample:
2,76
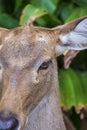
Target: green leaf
48,5
7,21
66,89
66,10
48,21
1,8
82,3
73,89
31,13
17,4
79,12
83,79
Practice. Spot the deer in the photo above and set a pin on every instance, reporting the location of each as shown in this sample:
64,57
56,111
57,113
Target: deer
29,89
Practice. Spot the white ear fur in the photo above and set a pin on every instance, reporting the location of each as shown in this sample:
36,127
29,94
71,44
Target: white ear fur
60,50
82,26
77,38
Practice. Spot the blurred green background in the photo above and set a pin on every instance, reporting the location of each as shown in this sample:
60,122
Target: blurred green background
51,13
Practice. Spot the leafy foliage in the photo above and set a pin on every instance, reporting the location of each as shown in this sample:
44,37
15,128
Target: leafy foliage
51,13
73,89
31,13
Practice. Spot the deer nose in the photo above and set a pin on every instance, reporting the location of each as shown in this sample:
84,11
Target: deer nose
9,122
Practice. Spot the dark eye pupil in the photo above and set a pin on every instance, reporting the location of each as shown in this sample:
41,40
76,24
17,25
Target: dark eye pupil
45,65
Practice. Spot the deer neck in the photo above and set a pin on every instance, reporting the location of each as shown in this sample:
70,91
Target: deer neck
47,115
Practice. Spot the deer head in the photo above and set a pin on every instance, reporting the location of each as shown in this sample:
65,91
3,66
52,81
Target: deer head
27,64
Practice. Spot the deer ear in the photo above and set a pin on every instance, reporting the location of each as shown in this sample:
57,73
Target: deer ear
77,38
73,38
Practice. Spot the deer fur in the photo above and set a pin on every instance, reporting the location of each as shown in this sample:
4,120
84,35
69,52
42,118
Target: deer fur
28,72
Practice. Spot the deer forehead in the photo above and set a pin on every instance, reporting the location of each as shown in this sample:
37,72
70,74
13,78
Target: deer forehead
25,35
20,49
24,58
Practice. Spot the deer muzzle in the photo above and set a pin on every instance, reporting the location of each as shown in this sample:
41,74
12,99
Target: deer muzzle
8,121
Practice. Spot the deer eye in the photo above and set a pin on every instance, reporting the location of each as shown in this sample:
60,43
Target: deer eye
45,65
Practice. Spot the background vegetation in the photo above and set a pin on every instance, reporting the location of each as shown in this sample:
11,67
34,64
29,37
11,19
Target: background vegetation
51,13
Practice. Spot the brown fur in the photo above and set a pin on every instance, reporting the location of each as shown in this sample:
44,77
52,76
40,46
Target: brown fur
23,87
